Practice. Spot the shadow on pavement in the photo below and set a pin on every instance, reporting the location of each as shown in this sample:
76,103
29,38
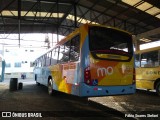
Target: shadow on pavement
35,98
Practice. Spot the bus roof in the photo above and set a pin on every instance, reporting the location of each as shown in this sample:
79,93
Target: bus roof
76,31
147,50
109,27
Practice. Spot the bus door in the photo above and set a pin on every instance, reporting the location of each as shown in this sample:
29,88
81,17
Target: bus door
72,74
70,78
69,72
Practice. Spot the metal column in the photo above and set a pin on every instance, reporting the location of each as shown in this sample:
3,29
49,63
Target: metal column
19,20
75,15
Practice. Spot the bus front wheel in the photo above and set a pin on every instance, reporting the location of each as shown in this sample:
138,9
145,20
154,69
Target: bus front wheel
50,87
158,88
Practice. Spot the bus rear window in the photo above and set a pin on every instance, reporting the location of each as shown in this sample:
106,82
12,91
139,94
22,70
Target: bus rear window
109,41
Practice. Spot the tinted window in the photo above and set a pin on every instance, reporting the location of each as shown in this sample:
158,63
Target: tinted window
48,59
7,65
54,55
110,41
17,64
75,49
149,59
64,52
137,60
70,50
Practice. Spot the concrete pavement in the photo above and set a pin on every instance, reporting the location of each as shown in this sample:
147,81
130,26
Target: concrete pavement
3,87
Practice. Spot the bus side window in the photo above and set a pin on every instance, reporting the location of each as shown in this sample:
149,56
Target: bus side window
149,59
39,63
48,59
54,56
64,52
137,60
36,63
75,48
43,60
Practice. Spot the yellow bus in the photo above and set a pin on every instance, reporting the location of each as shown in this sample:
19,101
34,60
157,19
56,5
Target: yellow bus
147,64
93,60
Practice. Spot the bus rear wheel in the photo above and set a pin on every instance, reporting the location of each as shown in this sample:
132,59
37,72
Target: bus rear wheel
158,88
50,87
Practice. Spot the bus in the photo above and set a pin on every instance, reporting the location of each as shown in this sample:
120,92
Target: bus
147,63
94,60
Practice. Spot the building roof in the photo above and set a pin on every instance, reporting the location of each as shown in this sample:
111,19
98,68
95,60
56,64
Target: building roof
63,16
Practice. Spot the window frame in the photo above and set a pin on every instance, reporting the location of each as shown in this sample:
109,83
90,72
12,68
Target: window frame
70,41
147,65
128,54
17,65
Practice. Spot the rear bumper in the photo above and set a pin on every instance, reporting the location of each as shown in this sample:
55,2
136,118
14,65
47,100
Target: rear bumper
89,91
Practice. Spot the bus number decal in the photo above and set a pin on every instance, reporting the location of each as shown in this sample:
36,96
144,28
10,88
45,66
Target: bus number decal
105,71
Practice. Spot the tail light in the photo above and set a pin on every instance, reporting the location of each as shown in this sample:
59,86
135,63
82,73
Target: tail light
87,76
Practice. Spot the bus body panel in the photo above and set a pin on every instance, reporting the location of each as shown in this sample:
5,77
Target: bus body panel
110,73
92,91
42,75
66,77
145,77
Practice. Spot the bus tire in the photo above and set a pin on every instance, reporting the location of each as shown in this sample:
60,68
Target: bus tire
158,88
50,87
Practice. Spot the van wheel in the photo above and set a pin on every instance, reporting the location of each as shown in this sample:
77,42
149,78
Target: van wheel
50,87
158,88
